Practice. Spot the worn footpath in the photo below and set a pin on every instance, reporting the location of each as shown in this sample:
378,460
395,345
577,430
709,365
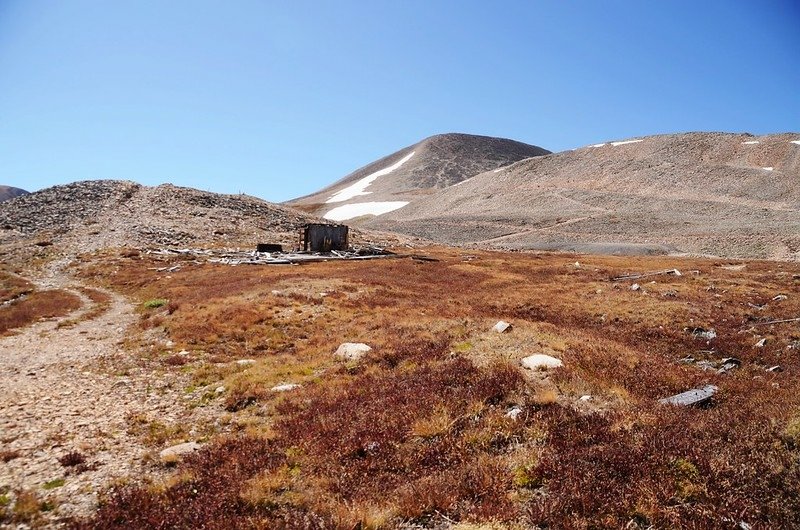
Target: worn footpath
61,395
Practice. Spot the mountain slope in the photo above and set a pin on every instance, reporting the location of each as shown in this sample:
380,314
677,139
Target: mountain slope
9,192
90,215
413,172
722,194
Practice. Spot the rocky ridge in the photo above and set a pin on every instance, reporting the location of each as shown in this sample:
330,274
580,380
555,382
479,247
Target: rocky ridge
121,213
92,215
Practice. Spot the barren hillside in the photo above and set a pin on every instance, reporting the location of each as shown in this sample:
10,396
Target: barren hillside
413,172
91,215
9,192
733,195
109,213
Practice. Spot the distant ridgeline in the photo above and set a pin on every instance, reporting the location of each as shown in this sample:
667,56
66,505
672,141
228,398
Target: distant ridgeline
9,192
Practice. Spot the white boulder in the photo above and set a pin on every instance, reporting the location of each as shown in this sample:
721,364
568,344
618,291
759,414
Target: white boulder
172,454
541,361
352,351
284,387
502,326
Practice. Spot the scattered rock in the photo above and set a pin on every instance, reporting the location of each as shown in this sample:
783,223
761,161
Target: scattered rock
502,327
587,397
776,368
779,298
706,365
705,334
761,343
635,287
540,361
285,387
219,390
723,365
697,396
352,351
246,362
728,364
91,215
670,294
733,267
184,353
173,454
514,412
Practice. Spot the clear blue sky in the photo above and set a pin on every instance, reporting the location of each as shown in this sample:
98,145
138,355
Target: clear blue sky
277,99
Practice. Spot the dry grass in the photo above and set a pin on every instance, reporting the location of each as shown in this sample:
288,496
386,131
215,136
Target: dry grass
417,433
36,306
101,302
13,286
27,509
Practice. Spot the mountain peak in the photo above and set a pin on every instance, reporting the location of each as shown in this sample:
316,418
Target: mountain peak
415,171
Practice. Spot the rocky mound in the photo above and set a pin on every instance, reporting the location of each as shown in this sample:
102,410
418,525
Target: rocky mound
9,192
90,215
413,172
733,195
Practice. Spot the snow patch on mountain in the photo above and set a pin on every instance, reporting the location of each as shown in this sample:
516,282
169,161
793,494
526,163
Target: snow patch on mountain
350,211
357,189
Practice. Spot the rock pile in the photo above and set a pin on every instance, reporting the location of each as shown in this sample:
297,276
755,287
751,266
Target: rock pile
92,215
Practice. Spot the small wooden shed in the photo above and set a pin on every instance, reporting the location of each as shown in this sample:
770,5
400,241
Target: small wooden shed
325,237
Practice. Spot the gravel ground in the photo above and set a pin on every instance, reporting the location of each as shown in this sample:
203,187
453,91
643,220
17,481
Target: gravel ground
61,394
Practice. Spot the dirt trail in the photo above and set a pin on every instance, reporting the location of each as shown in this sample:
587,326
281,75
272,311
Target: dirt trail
60,394
536,229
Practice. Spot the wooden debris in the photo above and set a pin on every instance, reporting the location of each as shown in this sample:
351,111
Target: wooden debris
695,397
724,365
269,247
254,257
674,272
776,321
738,267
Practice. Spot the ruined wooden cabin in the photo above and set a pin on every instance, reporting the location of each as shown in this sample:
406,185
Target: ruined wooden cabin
324,237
